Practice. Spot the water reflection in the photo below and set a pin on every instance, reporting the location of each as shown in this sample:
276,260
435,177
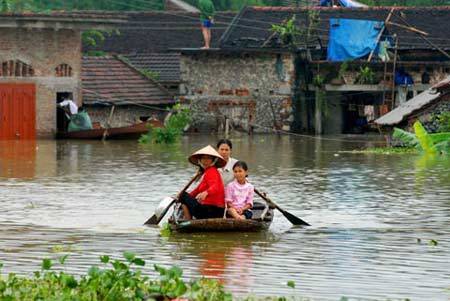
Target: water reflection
366,211
18,159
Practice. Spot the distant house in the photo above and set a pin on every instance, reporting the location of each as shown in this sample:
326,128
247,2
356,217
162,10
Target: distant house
258,81
111,82
424,107
40,63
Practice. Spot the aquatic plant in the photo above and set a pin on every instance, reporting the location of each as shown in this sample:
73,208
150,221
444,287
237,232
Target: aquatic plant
423,141
172,130
114,280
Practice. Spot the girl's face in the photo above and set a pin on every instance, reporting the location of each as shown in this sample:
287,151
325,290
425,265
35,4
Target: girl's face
206,161
225,151
240,174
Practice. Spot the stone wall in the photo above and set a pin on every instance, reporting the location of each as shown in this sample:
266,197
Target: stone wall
44,50
248,88
123,115
428,117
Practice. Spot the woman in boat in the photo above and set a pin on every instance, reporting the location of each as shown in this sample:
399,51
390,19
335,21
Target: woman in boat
224,147
208,199
239,193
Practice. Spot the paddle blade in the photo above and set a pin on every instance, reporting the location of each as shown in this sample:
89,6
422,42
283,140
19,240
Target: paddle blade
152,220
160,211
294,220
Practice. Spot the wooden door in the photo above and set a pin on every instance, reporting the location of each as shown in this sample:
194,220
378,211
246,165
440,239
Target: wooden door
17,111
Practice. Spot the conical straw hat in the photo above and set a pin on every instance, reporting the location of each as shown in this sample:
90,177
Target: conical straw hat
207,150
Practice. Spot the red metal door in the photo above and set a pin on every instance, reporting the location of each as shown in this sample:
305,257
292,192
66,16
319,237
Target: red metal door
17,111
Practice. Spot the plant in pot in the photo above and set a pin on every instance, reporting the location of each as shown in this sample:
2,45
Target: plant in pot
365,76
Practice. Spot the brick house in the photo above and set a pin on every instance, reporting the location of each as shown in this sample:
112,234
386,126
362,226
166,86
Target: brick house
40,60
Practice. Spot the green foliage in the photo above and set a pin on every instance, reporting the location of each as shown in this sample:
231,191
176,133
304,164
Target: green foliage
115,280
386,150
443,120
288,31
154,75
428,143
293,36
366,76
291,284
343,68
172,130
409,139
69,5
165,231
424,139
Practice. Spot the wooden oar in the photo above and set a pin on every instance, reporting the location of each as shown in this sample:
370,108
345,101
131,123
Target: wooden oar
154,220
292,218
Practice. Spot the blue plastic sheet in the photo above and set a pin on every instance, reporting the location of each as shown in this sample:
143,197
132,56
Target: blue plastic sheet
344,3
351,39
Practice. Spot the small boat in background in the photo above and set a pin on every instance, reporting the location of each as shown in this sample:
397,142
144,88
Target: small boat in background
261,220
133,131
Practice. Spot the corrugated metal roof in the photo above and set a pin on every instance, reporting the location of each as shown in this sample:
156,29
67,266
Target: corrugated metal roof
400,113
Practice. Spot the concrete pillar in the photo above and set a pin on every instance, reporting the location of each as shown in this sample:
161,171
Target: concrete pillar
318,115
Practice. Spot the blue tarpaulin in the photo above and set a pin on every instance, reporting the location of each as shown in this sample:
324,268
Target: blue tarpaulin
344,3
352,39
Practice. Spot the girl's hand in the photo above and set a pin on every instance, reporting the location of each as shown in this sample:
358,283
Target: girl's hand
202,195
239,210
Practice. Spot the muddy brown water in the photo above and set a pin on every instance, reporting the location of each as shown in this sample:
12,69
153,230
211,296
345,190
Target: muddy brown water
372,216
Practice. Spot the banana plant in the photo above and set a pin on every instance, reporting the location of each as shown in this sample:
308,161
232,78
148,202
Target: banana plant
438,143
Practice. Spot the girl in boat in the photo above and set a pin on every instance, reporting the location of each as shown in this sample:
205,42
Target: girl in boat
208,199
239,193
224,147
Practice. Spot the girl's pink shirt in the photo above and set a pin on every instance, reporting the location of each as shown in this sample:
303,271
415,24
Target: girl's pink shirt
239,195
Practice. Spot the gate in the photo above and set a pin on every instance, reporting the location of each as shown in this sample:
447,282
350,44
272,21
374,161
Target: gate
17,111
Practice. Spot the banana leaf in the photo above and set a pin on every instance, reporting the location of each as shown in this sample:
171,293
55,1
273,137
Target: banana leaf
440,137
442,147
409,139
424,138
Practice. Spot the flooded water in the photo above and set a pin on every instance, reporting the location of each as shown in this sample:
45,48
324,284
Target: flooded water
372,216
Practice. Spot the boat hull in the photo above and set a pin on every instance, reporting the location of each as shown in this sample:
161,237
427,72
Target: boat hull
261,220
133,131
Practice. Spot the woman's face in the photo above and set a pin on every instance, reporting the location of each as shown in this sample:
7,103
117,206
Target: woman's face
225,151
206,161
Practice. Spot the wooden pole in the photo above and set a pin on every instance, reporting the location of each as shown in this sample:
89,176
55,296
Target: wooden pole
380,34
108,123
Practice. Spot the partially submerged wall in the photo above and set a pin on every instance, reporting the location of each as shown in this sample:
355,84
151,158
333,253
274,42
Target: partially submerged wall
250,89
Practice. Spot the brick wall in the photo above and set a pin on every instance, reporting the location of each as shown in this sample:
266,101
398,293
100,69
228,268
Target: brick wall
44,50
246,88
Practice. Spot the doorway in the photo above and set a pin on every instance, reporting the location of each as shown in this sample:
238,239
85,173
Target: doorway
62,119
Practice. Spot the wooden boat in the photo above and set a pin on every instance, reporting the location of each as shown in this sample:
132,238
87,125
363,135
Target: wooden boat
261,220
133,131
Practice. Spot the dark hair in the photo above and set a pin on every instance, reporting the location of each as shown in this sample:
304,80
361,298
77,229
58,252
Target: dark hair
225,141
241,164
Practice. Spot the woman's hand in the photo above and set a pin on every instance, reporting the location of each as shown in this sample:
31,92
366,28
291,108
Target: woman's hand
202,195
239,211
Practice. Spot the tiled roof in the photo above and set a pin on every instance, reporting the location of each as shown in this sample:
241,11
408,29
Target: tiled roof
108,79
251,28
167,65
413,105
77,16
159,31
